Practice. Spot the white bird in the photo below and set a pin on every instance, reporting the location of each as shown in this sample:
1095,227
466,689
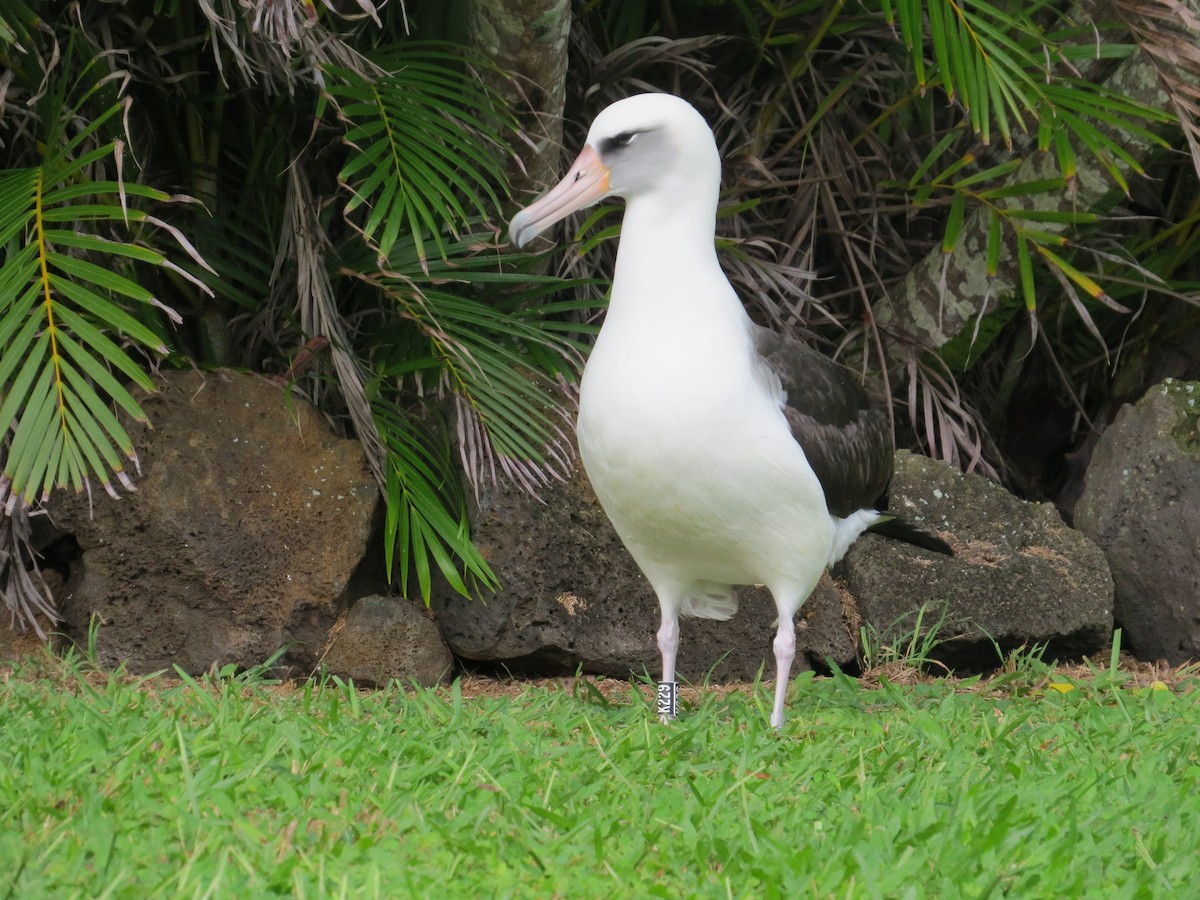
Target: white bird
723,453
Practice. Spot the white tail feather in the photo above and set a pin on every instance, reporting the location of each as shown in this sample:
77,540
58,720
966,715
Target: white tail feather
847,530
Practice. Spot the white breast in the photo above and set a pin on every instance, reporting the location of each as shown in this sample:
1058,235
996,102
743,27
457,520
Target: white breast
689,453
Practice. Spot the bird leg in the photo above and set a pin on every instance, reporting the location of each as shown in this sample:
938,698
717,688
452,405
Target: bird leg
785,651
668,646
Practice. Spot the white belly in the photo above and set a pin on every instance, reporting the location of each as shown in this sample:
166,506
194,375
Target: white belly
698,471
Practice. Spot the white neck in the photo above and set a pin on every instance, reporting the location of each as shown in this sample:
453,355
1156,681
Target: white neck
667,239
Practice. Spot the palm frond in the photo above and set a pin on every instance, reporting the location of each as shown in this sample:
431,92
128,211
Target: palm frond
65,290
426,510
21,584
301,270
18,20
1012,67
413,170
1025,211
276,46
485,335
944,424
1166,30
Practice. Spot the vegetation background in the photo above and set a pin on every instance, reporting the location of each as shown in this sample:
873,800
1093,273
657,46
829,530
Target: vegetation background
989,209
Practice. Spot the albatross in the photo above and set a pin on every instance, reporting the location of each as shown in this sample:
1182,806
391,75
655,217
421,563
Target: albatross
722,452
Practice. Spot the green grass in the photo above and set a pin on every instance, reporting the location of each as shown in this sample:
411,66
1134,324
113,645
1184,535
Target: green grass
123,787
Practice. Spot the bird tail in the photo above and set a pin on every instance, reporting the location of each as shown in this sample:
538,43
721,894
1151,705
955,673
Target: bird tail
900,529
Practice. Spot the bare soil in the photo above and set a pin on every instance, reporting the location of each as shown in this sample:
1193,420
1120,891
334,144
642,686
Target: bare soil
1138,674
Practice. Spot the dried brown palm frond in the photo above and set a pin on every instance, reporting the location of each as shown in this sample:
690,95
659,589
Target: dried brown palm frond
263,45
301,271
945,424
22,587
632,65
1167,31
278,45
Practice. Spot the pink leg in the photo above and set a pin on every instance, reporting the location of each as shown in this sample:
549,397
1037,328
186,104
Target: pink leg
668,643
668,646
785,651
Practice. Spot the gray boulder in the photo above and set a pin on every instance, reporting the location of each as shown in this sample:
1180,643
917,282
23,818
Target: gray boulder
573,598
1020,576
1141,504
247,523
384,638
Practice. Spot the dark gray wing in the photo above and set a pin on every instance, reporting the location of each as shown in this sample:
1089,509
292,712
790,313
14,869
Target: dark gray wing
847,439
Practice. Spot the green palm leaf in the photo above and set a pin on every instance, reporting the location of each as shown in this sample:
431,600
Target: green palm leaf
1000,63
489,336
425,137
481,335
68,296
426,510
18,21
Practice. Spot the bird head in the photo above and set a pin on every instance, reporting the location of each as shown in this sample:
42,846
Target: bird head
642,145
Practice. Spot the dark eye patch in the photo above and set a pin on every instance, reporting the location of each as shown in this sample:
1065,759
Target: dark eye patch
617,141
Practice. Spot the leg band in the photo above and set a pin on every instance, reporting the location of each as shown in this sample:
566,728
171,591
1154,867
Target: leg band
667,699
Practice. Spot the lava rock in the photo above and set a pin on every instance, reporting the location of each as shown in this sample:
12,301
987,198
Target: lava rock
249,518
385,638
1141,504
1019,578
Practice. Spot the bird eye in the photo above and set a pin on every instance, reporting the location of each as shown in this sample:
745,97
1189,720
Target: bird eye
617,142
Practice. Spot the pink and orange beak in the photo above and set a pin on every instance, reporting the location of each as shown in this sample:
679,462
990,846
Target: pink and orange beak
585,183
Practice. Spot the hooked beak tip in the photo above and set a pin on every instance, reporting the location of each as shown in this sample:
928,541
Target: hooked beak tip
519,232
